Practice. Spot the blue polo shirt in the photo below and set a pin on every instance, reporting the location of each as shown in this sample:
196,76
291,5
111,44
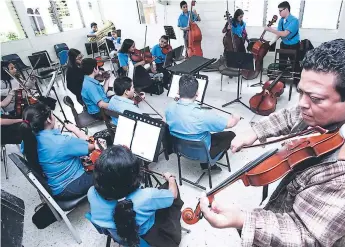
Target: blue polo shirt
157,52
291,24
183,19
92,92
188,121
145,204
120,104
238,30
123,59
59,155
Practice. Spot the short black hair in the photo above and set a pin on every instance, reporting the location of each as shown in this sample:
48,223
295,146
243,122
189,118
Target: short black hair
182,3
93,24
121,84
284,5
329,57
88,65
166,37
188,86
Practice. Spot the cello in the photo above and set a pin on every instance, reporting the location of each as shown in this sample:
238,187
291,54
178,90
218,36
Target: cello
228,39
259,50
275,164
194,36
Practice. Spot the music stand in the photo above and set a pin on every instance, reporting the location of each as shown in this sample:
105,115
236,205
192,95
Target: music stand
178,52
191,66
239,60
169,59
169,31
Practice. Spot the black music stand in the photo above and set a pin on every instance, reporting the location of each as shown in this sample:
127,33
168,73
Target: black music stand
169,31
239,60
192,65
172,56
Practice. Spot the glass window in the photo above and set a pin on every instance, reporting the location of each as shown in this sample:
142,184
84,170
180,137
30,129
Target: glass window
321,14
147,11
68,14
253,11
11,28
42,17
272,9
91,12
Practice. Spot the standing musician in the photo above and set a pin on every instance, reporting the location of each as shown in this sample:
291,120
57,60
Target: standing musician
308,206
183,21
129,213
157,52
188,121
93,93
288,31
123,100
57,156
74,74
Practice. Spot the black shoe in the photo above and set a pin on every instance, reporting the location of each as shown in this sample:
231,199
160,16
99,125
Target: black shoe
213,168
166,86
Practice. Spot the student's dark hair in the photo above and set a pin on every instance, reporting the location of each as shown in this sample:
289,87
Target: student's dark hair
237,13
284,5
121,84
182,3
93,24
4,76
166,37
72,57
127,43
88,65
116,175
329,57
34,118
188,86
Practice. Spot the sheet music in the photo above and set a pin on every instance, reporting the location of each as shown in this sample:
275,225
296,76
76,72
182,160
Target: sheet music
124,131
145,140
130,73
174,88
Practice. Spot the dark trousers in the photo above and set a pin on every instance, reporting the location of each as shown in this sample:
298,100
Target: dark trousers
185,37
166,74
297,67
76,188
97,115
219,142
10,134
166,231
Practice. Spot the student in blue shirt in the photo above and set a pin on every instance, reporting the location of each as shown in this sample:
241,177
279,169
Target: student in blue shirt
57,156
93,93
188,121
130,213
123,100
93,30
183,21
288,31
160,58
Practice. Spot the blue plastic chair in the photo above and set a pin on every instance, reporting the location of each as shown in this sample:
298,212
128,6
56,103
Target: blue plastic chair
196,150
63,58
112,235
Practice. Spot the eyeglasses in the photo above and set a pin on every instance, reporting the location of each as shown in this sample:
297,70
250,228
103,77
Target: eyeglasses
79,58
281,10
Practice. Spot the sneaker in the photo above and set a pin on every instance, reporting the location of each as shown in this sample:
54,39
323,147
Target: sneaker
214,168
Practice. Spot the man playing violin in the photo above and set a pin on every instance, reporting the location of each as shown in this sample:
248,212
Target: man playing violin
308,206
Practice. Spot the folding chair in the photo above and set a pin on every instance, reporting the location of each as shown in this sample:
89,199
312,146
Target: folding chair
42,63
60,47
52,63
196,150
60,209
63,59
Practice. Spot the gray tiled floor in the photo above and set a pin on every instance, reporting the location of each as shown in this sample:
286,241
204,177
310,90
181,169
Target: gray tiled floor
202,233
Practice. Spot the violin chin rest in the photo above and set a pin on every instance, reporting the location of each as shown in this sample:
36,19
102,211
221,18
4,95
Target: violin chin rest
342,131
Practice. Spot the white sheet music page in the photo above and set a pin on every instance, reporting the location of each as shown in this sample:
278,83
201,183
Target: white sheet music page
130,73
173,92
145,140
201,89
124,131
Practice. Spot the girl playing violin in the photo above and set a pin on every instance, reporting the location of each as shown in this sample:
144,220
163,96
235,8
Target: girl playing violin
57,156
133,215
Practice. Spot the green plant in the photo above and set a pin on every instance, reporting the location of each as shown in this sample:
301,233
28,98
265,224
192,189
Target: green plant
12,36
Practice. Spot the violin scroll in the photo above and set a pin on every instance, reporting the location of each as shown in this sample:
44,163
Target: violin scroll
189,216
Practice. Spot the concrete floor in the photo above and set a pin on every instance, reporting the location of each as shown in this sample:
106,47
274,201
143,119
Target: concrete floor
202,234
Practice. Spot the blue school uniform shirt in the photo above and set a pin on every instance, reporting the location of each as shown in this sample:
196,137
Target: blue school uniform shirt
238,30
183,19
145,204
157,52
123,59
291,24
120,104
59,156
92,92
188,121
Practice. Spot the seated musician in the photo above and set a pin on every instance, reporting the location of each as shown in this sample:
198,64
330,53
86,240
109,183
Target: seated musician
128,212
74,74
94,29
124,56
93,93
116,41
160,58
183,21
308,206
57,156
188,121
239,29
123,100
10,133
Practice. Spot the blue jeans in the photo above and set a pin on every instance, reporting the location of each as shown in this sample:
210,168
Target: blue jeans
76,188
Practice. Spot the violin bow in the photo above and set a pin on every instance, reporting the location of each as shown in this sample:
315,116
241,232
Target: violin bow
137,94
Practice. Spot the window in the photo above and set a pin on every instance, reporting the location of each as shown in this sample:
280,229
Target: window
253,11
147,11
42,17
68,14
321,14
91,12
272,9
12,28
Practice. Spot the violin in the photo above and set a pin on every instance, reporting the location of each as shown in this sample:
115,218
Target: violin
105,75
194,36
138,56
19,102
274,164
264,103
100,62
166,49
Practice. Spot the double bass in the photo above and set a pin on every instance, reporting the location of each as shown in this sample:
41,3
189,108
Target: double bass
194,36
259,50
